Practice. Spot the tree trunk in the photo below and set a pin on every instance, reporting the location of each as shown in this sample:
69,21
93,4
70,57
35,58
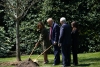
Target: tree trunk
17,42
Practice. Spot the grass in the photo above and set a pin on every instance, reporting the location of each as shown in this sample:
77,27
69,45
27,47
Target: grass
84,59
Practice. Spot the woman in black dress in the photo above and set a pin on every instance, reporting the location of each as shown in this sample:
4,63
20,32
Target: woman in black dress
75,41
43,40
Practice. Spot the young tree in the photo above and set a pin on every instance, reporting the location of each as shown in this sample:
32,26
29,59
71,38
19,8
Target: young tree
17,9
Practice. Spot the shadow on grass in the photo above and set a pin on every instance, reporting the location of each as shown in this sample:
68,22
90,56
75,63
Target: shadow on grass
79,65
86,62
83,65
90,59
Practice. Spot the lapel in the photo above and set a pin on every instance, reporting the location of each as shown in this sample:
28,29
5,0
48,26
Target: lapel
53,26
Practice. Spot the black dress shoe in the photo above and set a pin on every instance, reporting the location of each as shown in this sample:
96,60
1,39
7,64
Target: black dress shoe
75,64
66,65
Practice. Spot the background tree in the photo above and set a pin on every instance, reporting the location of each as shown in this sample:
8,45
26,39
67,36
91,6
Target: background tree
17,9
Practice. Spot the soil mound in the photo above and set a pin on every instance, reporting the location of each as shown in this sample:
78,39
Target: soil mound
27,63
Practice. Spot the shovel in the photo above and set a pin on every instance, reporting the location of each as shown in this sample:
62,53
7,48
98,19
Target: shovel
42,53
32,51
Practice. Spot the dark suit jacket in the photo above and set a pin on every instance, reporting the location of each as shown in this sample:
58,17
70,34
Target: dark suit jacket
55,33
65,34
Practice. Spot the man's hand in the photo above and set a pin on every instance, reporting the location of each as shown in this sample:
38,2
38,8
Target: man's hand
59,45
55,43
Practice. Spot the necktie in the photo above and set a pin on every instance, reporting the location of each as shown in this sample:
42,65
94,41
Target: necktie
50,33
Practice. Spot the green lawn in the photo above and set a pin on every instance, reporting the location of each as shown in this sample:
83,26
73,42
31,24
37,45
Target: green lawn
84,59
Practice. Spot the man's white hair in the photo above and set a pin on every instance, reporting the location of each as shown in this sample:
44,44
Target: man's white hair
62,19
49,19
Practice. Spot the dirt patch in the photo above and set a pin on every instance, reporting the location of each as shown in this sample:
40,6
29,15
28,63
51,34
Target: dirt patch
8,63
26,63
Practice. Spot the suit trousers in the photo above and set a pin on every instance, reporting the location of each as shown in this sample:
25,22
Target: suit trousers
56,54
74,52
66,55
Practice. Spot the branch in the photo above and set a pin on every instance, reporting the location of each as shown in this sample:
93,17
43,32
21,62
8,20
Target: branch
20,4
3,3
26,10
10,14
10,5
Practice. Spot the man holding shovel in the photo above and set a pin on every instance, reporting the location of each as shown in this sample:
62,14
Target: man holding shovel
44,40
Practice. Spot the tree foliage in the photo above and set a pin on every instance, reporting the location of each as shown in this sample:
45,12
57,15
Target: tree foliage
85,12
5,45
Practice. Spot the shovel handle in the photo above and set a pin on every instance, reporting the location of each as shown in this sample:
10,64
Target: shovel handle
44,51
32,51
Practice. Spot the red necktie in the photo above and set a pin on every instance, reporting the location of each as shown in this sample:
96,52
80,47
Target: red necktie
50,33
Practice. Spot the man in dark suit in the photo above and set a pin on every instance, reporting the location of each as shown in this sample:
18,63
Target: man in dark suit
65,41
53,37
